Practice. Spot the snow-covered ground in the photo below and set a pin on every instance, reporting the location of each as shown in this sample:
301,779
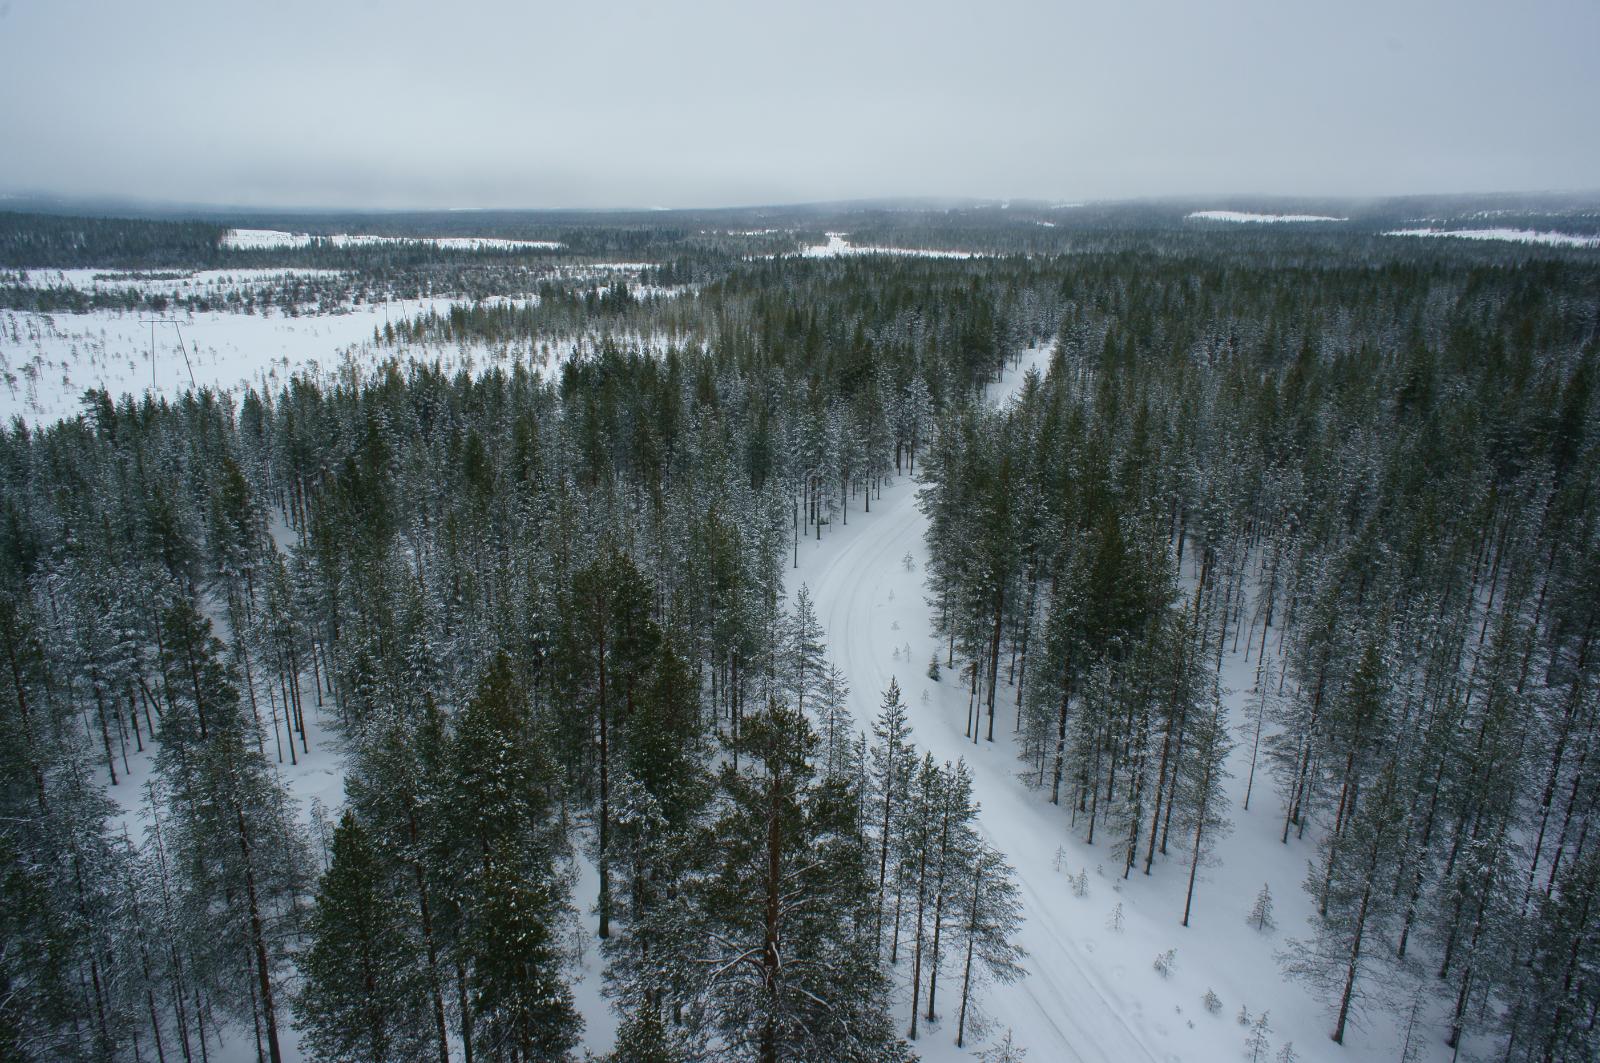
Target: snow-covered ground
1260,219
274,239
314,778
1092,992
1518,236
47,361
838,245
1519,212
171,283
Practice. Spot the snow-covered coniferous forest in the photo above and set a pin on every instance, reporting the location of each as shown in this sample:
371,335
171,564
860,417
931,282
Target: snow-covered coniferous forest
861,633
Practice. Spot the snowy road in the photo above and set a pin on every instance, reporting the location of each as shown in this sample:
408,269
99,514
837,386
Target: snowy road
872,607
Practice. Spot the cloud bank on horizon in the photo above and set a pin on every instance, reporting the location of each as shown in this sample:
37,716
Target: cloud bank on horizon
504,103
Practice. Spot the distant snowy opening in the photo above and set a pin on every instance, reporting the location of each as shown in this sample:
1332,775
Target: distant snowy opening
837,245
209,282
1520,236
1260,219
273,239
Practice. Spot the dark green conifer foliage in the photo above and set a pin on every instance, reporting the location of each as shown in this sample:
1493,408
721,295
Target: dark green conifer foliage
783,906
361,997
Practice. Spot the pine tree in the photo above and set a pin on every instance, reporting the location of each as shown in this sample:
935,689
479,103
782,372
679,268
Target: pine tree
395,781
893,762
517,989
233,840
804,666
781,912
1260,915
661,799
360,999
834,721
1256,1045
606,646
1200,794
497,846
1004,1050
643,1038
1557,990
1360,905
919,854
990,919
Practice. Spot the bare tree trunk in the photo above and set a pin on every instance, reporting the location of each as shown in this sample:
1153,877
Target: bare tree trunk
966,973
425,910
1061,742
938,912
770,960
1355,959
994,652
259,939
916,962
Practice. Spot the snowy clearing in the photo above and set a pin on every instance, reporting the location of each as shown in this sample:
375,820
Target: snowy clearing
47,361
838,245
1260,219
274,239
1519,236
171,283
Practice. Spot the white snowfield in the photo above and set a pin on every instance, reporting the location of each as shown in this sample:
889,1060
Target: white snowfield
838,245
274,239
47,361
1091,992
172,283
1260,219
1519,236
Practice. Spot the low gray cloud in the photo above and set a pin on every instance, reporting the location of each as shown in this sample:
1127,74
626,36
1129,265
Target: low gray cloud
407,104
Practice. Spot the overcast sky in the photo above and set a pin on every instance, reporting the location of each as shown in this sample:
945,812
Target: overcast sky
479,103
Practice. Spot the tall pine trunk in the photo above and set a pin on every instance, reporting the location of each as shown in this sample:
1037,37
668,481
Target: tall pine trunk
259,940
994,651
966,971
770,957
